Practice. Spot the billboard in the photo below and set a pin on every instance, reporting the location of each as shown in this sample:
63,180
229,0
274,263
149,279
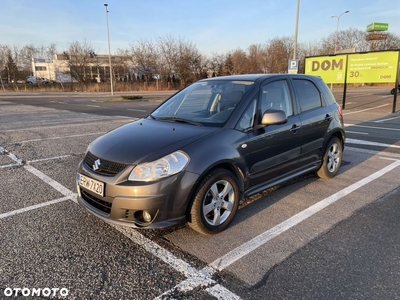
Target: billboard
330,68
373,67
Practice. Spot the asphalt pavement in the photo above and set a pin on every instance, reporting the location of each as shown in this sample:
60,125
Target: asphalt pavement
307,239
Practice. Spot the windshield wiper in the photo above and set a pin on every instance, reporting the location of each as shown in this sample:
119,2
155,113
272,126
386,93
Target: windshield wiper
179,120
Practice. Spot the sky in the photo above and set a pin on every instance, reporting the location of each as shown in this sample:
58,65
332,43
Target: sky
213,26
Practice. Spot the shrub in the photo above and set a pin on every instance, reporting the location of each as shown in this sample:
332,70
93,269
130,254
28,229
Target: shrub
132,97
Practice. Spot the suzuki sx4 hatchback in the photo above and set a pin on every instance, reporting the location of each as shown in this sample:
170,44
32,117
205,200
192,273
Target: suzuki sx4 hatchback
209,146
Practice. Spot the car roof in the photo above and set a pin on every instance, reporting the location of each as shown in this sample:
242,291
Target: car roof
254,77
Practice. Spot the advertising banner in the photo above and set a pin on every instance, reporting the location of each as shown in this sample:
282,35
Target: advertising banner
330,68
373,67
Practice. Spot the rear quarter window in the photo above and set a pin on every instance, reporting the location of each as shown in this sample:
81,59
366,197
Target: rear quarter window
329,99
308,94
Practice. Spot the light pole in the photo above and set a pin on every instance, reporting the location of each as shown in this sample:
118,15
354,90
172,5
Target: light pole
337,26
109,51
296,30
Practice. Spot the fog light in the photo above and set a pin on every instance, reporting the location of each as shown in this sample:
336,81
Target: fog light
146,216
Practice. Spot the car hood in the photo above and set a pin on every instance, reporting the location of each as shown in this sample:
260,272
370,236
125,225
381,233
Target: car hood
146,140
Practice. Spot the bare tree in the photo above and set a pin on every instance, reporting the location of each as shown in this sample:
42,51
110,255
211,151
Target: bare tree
11,67
168,47
309,49
345,39
78,54
240,62
3,56
145,56
188,62
215,64
258,58
228,68
279,52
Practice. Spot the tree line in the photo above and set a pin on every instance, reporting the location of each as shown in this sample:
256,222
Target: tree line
178,60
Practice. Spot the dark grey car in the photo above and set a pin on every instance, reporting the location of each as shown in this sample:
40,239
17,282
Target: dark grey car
208,147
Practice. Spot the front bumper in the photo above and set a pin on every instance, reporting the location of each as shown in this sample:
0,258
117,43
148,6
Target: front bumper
126,203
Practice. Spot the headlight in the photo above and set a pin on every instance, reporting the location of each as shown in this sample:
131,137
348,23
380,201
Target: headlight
166,166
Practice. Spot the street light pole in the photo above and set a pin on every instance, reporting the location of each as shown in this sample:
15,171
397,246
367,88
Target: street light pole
296,30
337,27
109,51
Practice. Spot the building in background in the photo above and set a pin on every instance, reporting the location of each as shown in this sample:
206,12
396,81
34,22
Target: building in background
91,67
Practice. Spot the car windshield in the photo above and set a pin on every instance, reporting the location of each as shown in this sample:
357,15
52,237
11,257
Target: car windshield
208,103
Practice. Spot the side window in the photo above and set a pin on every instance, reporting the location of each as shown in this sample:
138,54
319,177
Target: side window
275,95
327,95
247,120
309,95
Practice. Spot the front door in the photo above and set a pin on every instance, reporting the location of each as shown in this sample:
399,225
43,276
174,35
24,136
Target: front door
274,150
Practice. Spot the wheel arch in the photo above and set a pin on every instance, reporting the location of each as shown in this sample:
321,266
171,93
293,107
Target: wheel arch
230,166
337,133
341,136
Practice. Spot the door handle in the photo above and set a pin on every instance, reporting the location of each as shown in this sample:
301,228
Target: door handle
294,128
328,118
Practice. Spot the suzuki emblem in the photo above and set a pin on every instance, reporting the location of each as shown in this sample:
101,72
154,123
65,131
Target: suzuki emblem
96,165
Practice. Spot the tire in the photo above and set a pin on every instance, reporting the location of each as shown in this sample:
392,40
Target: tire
332,159
392,91
215,202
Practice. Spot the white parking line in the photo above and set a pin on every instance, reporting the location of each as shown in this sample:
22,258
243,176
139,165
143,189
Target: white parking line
54,184
368,143
32,207
48,158
384,120
11,156
372,127
356,132
219,292
100,121
195,277
142,110
63,137
239,252
9,166
57,186
358,111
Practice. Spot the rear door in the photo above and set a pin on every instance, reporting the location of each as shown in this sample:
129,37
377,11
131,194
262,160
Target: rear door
315,119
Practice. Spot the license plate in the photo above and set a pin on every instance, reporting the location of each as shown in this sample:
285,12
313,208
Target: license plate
91,184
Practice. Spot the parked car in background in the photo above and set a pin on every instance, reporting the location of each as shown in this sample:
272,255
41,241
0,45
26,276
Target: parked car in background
214,143
65,78
393,89
37,80
33,80
46,81
18,81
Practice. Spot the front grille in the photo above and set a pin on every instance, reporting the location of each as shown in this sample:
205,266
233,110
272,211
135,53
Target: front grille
96,202
106,167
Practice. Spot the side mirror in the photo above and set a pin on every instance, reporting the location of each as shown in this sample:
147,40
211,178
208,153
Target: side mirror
273,117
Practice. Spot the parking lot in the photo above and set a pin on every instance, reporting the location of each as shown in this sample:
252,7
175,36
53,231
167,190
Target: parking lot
298,240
